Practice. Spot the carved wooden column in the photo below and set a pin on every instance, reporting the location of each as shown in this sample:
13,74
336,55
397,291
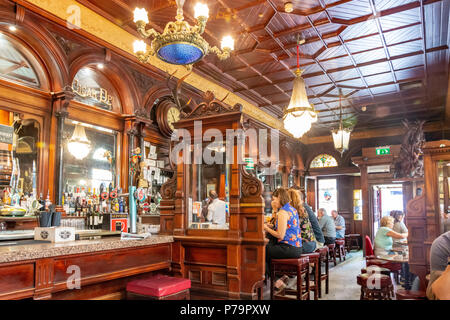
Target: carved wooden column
43,279
60,101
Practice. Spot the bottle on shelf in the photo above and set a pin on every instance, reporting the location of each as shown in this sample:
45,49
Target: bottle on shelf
47,201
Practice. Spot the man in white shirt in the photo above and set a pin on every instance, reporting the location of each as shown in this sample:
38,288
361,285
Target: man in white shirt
216,209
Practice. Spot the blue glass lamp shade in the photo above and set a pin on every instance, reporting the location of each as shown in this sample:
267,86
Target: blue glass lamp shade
180,53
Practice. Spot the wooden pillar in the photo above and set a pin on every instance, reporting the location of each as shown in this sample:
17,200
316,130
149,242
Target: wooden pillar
367,223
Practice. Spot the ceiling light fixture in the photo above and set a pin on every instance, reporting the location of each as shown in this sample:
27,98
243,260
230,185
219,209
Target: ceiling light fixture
288,7
299,115
180,43
100,66
12,28
341,136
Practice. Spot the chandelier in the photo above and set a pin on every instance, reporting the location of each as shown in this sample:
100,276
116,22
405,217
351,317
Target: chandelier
341,136
79,145
180,43
299,115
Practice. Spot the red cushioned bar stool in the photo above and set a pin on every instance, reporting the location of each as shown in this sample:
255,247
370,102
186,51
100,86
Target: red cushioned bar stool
291,267
375,286
340,249
323,259
159,287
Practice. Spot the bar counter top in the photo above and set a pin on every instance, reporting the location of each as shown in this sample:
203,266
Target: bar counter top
14,253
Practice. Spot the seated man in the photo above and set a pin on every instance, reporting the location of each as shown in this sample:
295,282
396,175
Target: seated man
339,222
216,209
438,286
326,223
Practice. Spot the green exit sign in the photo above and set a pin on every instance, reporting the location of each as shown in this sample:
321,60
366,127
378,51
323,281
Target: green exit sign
383,151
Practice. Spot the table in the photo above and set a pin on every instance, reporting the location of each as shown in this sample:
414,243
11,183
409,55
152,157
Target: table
401,256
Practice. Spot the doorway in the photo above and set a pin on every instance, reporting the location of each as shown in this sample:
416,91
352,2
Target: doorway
385,198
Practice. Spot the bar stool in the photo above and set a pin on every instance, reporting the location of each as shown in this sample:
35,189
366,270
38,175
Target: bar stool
340,249
159,287
323,258
293,267
314,258
352,241
332,252
379,287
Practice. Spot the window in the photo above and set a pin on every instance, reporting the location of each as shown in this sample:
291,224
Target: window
324,161
15,63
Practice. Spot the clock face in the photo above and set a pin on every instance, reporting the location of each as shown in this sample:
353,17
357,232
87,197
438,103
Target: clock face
173,115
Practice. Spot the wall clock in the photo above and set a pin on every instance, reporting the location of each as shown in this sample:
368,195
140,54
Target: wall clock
167,113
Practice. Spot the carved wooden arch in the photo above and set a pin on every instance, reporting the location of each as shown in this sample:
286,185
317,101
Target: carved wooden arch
42,45
120,79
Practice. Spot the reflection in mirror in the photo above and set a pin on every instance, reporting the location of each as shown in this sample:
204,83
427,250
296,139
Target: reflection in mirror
444,198
209,204
89,157
19,139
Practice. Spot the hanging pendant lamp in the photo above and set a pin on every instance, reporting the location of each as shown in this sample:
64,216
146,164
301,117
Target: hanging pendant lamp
299,115
341,136
79,145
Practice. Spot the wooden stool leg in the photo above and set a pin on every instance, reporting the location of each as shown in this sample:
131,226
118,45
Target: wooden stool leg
328,275
316,280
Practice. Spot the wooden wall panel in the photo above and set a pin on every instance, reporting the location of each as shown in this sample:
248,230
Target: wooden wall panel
97,264
16,278
206,256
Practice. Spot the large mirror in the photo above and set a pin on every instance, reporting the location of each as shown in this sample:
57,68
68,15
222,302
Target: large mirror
208,202
89,157
19,154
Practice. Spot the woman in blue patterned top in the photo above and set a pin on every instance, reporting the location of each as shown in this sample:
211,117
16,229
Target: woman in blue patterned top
286,230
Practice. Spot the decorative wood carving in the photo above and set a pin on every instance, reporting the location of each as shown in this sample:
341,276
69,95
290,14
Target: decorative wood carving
251,188
143,82
211,106
67,45
169,188
409,163
416,207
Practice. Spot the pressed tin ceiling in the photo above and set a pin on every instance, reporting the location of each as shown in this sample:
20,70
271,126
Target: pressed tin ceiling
389,57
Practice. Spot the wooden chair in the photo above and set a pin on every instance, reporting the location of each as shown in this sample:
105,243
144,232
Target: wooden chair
323,259
159,287
293,267
340,249
332,252
352,241
314,258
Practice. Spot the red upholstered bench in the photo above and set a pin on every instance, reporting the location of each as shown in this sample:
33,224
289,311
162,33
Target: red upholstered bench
159,287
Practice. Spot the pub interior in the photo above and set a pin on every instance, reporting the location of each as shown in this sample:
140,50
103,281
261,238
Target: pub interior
229,149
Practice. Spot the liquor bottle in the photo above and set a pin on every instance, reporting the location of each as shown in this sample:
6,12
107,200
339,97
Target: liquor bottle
41,201
121,209
47,201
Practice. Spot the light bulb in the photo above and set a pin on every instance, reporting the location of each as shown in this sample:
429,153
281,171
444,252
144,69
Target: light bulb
201,10
12,28
139,46
140,15
227,43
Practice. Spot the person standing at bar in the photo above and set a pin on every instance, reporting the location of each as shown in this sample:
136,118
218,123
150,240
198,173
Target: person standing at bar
327,225
216,209
339,223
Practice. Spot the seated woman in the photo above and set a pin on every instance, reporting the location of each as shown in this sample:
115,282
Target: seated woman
307,233
286,231
384,236
399,225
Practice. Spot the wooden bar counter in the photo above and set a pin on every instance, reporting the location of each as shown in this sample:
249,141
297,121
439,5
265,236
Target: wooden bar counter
44,270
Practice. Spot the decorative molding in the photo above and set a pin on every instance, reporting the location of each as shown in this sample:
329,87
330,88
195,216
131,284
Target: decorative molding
251,187
67,45
169,188
410,163
211,106
143,81
20,13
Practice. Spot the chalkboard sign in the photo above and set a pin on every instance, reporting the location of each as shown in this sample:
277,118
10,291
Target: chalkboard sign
6,134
